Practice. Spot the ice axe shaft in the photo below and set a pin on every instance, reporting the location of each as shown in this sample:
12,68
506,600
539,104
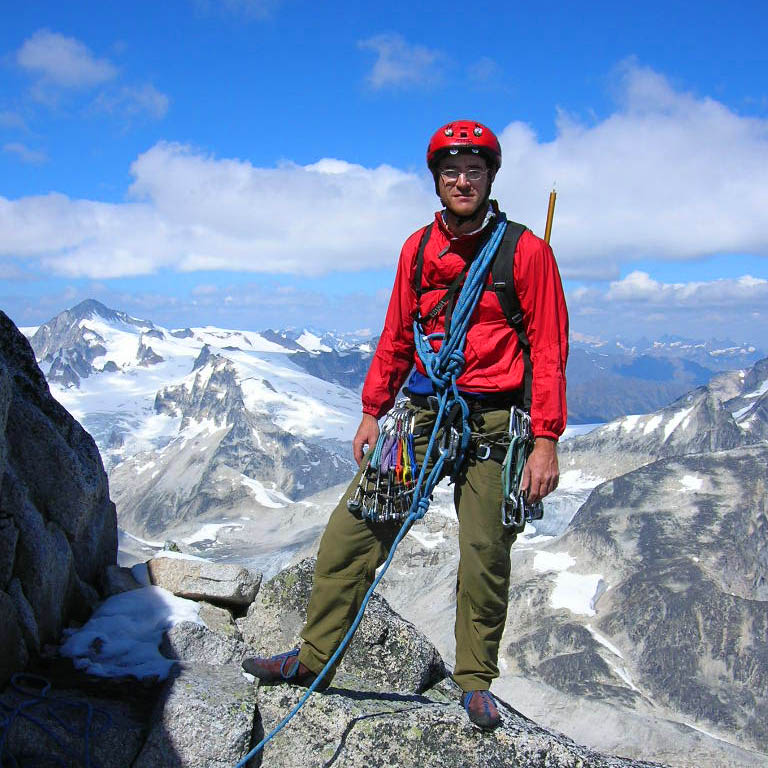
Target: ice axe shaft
550,214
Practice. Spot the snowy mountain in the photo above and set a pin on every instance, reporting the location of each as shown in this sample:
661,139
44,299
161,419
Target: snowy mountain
198,420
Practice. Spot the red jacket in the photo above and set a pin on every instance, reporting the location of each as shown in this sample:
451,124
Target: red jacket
494,360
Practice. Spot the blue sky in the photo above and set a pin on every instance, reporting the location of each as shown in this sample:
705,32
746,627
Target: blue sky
257,163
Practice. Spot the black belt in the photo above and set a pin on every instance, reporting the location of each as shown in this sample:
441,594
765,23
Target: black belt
502,401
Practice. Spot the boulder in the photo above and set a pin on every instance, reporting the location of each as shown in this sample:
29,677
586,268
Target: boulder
356,730
205,717
188,641
386,652
202,580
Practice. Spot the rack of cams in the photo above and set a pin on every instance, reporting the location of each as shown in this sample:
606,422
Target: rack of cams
385,490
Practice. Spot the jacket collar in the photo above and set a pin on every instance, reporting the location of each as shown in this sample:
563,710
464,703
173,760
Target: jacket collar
467,242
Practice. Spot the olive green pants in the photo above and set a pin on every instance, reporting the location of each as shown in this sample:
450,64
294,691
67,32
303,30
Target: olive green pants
351,550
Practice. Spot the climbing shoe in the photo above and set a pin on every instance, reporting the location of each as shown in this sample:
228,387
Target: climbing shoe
283,668
482,710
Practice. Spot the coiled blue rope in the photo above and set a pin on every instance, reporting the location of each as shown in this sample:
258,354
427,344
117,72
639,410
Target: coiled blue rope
36,706
443,366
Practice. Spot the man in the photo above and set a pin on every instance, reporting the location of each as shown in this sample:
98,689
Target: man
464,157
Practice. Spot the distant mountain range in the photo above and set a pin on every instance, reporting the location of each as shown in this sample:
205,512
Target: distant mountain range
176,412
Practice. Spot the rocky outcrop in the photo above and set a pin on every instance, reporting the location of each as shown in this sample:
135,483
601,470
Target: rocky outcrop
387,651
353,729
58,528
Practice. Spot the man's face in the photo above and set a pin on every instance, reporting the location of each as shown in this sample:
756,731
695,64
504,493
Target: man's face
462,195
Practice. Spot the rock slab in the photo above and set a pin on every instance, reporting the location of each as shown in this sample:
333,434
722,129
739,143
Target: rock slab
201,580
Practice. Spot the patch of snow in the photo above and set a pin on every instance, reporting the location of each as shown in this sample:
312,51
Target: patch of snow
266,498
604,641
179,555
575,592
209,532
123,636
628,423
312,343
552,561
673,423
576,430
624,675
761,390
140,572
691,483
145,542
577,480
652,423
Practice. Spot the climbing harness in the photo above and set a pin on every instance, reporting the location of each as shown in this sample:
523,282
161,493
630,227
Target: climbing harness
448,443
516,510
55,718
386,486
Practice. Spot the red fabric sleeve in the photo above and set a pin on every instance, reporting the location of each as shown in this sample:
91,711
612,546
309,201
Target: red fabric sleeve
394,354
545,317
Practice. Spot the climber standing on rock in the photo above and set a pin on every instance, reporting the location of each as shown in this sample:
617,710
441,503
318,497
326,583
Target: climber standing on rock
512,359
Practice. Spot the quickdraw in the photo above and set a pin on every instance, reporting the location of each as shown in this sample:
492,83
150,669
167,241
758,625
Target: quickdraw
385,490
516,510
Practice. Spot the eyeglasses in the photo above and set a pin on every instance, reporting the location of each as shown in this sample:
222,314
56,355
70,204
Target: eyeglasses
451,175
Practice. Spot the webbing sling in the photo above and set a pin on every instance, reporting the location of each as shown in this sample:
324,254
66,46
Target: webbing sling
503,284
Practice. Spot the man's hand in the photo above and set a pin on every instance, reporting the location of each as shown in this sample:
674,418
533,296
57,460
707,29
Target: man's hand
541,471
367,434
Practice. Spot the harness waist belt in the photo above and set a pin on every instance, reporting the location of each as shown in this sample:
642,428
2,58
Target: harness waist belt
501,401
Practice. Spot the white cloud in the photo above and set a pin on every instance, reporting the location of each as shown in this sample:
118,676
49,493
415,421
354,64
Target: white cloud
63,61
640,287
400,64
193,212
133,100
25,154
667,176
636,304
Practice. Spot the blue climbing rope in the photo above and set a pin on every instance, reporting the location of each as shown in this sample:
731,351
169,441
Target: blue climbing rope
443,366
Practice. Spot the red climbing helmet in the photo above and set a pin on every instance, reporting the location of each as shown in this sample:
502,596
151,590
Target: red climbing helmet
464,135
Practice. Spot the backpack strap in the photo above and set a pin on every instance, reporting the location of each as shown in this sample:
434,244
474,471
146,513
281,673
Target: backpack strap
420,259
503,276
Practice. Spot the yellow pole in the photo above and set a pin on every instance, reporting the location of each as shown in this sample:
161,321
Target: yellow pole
550,214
